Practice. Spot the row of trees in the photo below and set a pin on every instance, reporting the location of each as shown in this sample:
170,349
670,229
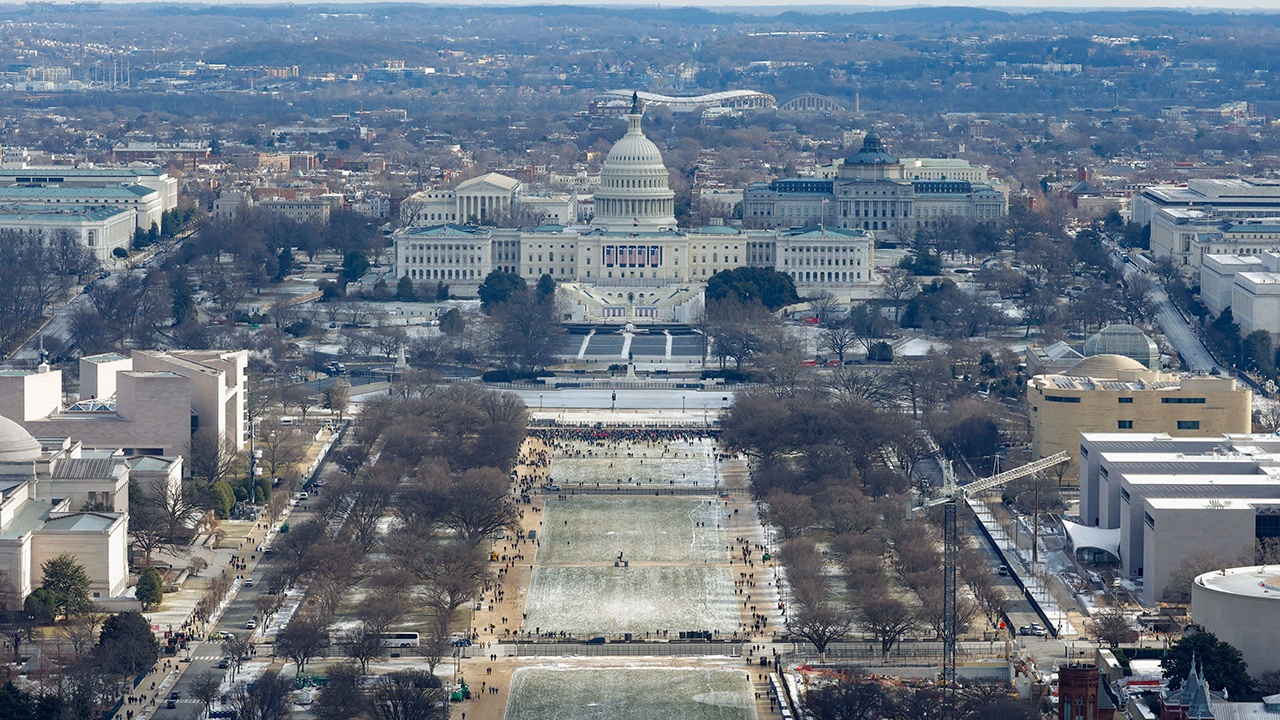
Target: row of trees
34,271
441,475
834,466
858,696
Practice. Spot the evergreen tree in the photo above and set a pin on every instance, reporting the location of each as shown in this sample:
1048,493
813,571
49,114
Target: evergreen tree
126,645
452,323
1222,664
67,583
184,304
498,287
749,284
546,285
354,265
284,264
150,589
404,290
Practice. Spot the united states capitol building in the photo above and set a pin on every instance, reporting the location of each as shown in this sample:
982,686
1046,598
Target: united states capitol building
631,260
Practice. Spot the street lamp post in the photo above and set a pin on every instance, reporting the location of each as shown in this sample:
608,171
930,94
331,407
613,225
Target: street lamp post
682,403
539,403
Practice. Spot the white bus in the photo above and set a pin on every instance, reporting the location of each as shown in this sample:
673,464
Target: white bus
400,640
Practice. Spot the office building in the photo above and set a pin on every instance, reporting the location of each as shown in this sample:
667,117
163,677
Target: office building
1164,499
874,190
149,403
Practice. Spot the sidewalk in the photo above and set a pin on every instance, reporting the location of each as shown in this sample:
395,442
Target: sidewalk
241,542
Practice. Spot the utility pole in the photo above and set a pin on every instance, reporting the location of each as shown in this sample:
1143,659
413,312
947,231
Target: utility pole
1035,528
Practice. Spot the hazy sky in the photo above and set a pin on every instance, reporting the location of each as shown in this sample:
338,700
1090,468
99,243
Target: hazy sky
1245,5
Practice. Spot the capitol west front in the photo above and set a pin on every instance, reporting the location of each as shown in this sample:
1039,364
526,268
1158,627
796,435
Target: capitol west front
632,261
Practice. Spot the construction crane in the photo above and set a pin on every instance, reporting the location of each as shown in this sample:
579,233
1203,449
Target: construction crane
949,499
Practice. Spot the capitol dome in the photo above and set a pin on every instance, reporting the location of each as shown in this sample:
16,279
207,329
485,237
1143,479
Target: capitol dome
634,195
16,444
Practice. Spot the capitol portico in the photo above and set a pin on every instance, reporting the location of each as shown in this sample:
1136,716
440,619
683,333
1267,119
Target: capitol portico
632,261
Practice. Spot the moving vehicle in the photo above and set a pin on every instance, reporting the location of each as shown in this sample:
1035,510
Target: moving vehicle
401,639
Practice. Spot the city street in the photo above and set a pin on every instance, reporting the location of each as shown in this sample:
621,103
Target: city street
205,655
1175,328
57,331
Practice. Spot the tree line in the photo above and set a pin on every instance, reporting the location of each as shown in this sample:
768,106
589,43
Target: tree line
425,481
35,270
832,466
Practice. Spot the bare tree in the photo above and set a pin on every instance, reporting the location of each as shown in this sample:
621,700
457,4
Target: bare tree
196,566
837,339
820,623
885,617
266,605
824,306
792,514
1185,572
82,631
380,610
1112,626
409,695
478,504
873,385
363,647
341,698
306,402
205,688
258,403
337,397
267,700
899,286
302,639
450,573
238,649
388,339
212,458
147,529
281,447
291,396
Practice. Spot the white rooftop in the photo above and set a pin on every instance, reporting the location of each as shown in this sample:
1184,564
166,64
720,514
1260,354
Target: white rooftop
1256,581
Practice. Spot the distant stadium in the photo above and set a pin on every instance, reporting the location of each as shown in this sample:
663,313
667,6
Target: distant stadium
618,102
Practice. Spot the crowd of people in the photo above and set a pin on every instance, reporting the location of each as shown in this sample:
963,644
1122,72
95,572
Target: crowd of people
605,437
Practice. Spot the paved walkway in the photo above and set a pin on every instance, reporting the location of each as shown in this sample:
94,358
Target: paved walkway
241,542
501,608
